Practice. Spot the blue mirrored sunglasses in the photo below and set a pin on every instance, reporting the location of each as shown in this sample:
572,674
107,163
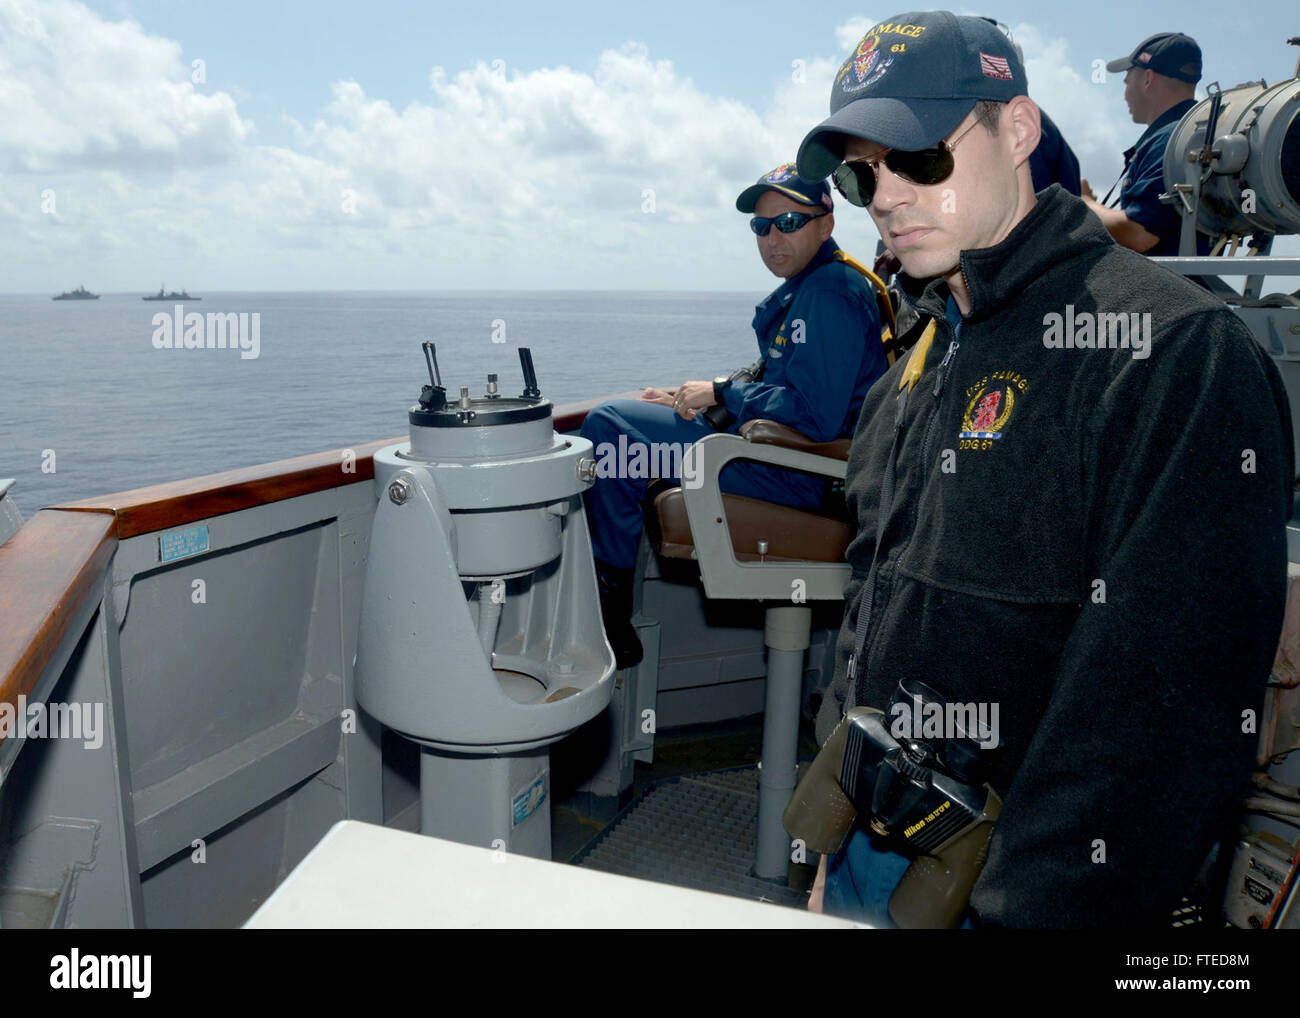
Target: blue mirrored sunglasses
786,222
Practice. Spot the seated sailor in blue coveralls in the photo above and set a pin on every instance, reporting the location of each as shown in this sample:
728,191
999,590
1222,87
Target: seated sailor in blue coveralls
820,346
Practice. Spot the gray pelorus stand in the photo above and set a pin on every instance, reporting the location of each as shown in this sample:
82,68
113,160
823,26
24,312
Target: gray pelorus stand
480,629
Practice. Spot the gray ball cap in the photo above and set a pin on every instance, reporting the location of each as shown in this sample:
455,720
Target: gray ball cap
910,81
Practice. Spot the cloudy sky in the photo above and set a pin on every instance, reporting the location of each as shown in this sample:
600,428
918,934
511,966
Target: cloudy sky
339,145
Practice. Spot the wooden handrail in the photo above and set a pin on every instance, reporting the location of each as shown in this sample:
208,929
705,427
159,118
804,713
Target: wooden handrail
47,571
163,506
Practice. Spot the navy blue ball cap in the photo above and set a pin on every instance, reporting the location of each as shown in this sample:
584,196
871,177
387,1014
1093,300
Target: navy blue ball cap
909,83
785,180
1169,53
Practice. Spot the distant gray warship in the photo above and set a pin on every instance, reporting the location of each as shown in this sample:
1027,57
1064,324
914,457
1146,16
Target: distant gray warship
171,296
80,293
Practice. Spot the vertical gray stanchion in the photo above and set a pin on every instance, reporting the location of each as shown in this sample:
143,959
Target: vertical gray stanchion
788,631
487,808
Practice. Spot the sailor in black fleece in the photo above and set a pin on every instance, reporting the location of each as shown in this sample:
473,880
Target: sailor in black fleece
1091,538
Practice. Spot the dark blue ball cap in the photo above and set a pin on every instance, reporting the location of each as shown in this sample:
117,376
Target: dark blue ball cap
785,180
909,83
1169,53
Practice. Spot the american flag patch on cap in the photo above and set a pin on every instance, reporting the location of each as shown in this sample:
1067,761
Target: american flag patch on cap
995,67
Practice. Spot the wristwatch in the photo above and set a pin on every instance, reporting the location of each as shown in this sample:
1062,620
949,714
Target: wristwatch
720,385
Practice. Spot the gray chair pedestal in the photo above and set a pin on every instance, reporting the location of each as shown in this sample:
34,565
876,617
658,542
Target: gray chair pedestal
764,551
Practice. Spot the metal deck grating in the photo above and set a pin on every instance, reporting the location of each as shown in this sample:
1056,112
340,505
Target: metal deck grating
695,831
698,831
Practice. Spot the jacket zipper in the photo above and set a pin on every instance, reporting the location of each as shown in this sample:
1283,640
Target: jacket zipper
867,604
942,376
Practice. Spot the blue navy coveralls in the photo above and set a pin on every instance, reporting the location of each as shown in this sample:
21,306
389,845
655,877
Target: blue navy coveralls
1144,180
819,333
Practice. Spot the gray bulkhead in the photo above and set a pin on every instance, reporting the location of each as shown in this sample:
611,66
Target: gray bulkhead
232,739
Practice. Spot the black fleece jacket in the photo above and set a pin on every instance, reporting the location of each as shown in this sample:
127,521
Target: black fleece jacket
1095,542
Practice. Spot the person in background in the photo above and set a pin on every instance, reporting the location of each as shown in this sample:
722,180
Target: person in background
1160,79
819,337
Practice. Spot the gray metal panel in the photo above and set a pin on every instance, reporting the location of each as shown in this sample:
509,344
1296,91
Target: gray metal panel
306,556
236,871
312,550
124,816
721,702
200,677
250,773
209,795
362,756
65,823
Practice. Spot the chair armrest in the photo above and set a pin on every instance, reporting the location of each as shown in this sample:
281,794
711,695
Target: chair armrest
763,432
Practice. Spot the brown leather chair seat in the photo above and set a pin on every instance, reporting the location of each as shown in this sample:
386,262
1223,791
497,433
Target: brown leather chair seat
792,535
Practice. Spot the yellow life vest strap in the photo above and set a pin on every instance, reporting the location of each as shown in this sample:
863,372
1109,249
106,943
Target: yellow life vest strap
889,327
916,359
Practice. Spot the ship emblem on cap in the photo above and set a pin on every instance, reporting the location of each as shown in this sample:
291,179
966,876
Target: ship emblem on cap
866,65
782,173
865,56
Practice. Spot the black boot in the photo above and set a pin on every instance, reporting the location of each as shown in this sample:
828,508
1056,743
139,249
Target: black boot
615,587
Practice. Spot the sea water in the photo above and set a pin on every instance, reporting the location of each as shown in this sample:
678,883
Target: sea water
91,402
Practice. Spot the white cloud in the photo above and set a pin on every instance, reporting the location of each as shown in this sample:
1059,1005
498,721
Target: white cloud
79,91
496,177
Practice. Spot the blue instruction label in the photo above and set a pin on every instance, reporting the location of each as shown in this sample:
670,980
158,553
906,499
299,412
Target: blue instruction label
182,543
528,800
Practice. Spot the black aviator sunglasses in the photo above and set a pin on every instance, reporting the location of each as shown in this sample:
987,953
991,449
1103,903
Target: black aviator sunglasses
856,180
